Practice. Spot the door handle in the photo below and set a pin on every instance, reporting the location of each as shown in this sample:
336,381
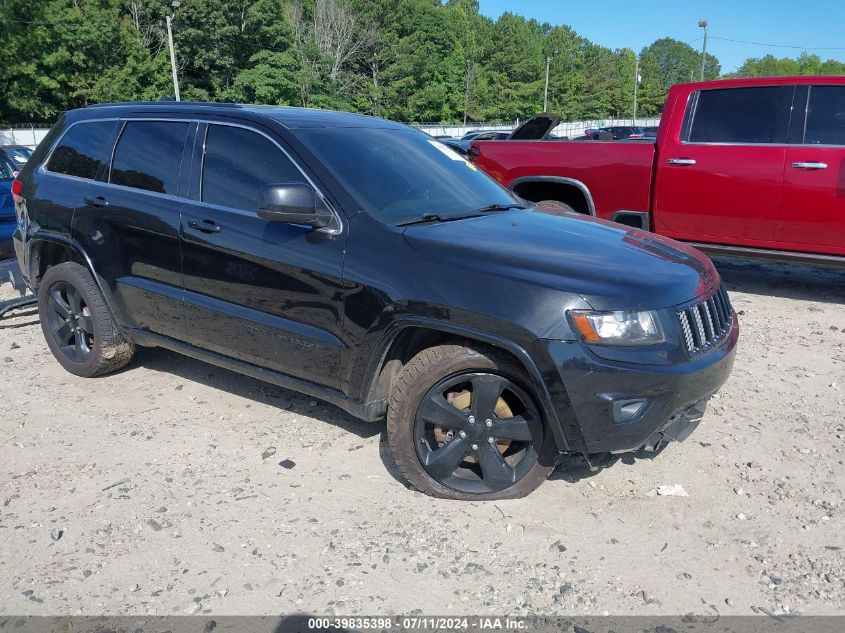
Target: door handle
681,161
809,165
96,201
206,226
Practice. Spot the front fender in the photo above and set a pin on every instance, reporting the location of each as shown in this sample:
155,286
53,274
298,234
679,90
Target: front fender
371,365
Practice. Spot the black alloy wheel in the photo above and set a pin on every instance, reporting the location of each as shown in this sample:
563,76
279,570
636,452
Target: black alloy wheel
477,432
77,324
70,322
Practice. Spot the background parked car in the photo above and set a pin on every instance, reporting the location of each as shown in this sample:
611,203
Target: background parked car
19,154
486,135
620,132
460,146
8,171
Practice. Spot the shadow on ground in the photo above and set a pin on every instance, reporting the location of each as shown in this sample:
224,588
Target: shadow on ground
193,370
789,281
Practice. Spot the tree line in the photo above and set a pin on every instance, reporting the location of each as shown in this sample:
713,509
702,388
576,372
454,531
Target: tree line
408,60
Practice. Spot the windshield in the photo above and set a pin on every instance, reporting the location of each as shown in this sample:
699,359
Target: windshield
7,167
399,175
19,154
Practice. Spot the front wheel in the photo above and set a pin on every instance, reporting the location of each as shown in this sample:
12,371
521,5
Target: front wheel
462,424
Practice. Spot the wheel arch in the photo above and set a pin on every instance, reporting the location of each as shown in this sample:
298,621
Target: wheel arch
405,337
50,249
568,190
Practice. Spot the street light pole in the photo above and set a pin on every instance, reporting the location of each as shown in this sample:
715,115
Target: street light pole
703,25
546,91
169,19
636,85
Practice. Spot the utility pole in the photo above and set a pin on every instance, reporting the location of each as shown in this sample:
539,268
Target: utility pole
546,91
703,25
636,85
169,20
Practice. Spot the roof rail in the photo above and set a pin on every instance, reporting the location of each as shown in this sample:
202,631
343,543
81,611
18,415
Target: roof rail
213,104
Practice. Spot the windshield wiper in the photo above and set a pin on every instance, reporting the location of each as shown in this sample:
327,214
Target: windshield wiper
436,217
425,217
499,207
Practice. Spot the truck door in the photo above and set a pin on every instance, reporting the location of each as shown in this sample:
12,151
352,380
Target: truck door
813,208
720,170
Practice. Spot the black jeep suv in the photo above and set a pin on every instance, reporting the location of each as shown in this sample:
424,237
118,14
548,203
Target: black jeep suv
364,263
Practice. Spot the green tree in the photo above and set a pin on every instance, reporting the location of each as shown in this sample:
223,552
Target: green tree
805,64
667,62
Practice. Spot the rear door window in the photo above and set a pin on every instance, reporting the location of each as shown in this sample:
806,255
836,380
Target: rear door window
82,150
825,116
148,156
743,116
238,163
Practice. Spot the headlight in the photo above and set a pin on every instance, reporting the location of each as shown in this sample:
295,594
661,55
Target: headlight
619,328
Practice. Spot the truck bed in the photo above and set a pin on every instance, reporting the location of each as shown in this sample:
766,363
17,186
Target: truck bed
617,174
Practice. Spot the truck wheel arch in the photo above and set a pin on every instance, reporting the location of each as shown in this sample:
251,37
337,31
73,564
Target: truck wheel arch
570,191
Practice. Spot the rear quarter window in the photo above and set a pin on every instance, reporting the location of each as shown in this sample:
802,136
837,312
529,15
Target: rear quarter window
82,150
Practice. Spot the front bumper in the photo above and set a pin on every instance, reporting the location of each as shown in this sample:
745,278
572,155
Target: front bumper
585,387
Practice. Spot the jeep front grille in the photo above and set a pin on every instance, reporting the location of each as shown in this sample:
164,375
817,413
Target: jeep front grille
706,323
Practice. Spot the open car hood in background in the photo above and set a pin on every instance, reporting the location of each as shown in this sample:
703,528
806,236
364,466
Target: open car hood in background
536,128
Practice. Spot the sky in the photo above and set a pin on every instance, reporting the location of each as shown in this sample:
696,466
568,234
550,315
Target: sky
818,24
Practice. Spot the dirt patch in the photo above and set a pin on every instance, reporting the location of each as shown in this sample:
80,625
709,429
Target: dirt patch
176,487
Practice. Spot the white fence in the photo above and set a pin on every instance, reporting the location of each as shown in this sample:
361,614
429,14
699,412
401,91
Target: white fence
29,136
568,128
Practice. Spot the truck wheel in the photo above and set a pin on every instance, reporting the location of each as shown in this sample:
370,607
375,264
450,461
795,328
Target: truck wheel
555,207
77,324
462,424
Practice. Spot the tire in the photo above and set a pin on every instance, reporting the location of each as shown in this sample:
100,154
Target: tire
492,466
78,325
554,207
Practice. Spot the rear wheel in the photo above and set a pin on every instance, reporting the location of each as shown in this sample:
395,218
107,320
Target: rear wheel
462,424
78,326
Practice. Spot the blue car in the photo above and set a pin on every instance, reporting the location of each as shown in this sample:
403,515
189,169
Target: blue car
18,153
8,171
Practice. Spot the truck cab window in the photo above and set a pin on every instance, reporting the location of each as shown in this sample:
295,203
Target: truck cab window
742,115
825,116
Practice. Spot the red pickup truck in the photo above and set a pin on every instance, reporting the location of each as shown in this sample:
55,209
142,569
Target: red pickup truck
750,167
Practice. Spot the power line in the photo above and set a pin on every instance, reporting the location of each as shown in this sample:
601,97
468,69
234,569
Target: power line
805,48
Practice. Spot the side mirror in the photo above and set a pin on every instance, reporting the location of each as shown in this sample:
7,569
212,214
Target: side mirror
293,203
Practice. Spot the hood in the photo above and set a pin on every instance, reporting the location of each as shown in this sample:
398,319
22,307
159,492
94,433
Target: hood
611,267
536,128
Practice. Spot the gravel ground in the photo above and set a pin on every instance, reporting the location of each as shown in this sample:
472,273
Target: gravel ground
176,487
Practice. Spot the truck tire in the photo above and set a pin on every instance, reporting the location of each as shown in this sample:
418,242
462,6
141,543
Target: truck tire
555,207
462,423
78,325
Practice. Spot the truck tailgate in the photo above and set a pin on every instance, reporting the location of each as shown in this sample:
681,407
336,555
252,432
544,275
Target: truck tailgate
617,174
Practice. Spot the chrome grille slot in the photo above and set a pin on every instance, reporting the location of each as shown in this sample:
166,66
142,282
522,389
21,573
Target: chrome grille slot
707,322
